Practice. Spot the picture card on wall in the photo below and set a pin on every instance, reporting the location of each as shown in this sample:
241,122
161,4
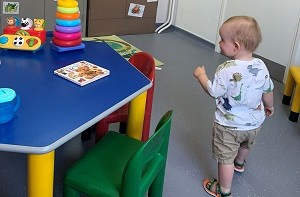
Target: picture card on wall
10,7
136,10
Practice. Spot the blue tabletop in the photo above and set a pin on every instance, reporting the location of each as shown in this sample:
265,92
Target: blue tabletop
54,110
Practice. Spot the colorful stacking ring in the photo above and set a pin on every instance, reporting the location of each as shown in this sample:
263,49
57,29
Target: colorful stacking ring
67,30
67,23
67,4
62,16
64,36
66,43
67,10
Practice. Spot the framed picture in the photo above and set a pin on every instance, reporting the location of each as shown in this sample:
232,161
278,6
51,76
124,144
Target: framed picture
10,7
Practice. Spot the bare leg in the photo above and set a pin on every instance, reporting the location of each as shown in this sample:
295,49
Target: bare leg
242,155
225,173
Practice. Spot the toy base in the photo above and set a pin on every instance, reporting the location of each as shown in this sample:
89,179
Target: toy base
63,49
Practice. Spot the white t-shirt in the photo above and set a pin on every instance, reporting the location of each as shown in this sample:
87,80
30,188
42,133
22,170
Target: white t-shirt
238,87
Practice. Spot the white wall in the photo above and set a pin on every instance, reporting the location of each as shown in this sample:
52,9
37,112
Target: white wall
194,16
162,11
202,18
296,54
199,17
278,25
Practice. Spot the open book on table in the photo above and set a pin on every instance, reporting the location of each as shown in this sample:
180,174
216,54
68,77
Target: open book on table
82,72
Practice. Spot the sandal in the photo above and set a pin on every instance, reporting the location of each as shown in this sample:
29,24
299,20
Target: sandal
208,184
239,167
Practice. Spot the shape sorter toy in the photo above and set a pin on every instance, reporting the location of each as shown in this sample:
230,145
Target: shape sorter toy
23,35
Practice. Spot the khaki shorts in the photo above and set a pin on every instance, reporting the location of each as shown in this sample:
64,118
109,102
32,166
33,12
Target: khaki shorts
226,143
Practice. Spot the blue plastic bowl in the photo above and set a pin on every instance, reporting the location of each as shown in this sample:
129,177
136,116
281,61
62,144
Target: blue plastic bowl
9,103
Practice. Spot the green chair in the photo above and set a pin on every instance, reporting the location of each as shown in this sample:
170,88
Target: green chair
118,165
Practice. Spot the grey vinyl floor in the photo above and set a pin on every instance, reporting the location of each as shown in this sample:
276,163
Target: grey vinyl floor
272,169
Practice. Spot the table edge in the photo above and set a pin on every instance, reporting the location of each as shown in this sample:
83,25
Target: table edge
74,133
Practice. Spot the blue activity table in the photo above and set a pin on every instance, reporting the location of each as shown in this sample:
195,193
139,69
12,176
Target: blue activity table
53,110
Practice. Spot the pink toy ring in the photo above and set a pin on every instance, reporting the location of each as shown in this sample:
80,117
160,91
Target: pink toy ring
64,36
67,4
67,30
66,43
67,10
67,16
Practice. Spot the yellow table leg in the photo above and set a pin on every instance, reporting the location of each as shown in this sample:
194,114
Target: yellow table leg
40,174
136,116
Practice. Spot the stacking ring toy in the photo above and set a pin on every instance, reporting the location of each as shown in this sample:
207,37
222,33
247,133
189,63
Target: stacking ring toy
64,36
67,23
66,43
62,16
67,4
67,30
67,10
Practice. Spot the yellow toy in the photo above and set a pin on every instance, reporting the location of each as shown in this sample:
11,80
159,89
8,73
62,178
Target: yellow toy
39,24
18,42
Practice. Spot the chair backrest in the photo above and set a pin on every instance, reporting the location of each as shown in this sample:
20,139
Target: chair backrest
144,62
148,163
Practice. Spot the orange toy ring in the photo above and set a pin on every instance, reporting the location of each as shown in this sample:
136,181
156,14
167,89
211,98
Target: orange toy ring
66,43
63,16
67,4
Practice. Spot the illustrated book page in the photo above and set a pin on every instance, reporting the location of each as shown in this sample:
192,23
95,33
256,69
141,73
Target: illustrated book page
82,72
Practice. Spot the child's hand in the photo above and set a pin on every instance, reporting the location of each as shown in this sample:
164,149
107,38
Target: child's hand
200,70
269,111
202,78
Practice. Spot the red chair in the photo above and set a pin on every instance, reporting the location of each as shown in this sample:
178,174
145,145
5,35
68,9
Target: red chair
144,62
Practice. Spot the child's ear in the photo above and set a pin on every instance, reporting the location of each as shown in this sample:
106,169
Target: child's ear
237,46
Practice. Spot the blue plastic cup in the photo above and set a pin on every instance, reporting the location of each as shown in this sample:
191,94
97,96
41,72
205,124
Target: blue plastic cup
9,103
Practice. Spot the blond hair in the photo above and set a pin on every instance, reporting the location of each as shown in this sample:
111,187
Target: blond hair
246,31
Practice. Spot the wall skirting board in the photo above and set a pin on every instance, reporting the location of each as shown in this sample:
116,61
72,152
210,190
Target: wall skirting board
276,70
